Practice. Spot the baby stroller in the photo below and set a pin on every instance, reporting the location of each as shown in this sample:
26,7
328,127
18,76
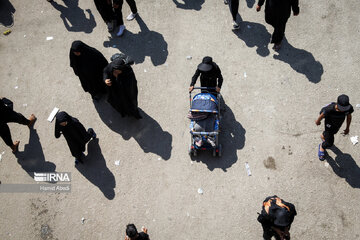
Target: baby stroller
205,122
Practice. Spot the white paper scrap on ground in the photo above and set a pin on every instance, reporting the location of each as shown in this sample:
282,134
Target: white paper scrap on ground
52,114
49,38
200,191
358,105
189,57
25,105
145,70
245,74
248,169
82,220
16,87
117,162
354,140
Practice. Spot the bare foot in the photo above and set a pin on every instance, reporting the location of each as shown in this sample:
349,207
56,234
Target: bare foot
144,229
32,120
15,147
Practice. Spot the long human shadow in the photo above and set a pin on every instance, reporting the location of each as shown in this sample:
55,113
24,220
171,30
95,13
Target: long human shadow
254,35
138,46
32,159
74,17
95,170
250,3
7,11
146,131
301,61
345,166
189,4
231,138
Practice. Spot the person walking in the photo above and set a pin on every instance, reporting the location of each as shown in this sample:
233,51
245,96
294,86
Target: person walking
8,115
106,12
234,9
334,114
117,5
75,134
210,75
277,13
133,234
276,218
122,87
88,64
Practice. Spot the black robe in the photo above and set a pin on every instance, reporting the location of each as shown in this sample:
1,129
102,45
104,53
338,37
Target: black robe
277,12
105,10
88,67
74,132
123,92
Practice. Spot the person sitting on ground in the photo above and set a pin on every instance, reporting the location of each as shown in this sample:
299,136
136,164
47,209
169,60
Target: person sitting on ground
132,233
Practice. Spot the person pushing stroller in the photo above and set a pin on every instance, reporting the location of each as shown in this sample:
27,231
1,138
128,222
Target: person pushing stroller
210,75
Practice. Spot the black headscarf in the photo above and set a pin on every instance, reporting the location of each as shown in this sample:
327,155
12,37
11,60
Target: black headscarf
77,46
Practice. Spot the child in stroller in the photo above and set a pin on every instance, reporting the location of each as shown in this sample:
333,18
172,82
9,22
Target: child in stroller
205,122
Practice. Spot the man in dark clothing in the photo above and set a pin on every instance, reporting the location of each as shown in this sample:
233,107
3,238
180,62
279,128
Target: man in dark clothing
117,4
210,75
277,12
122,88
132,233
75,134
276,218
105,9
234,8
88,64
334,115
7,115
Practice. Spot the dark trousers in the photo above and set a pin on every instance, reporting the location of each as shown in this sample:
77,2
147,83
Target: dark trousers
118,11
10,116
234,8
105,10
279,24
329,139
269,233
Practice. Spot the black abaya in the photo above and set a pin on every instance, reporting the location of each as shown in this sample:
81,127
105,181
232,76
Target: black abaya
88,67
277,12
74,132
123,91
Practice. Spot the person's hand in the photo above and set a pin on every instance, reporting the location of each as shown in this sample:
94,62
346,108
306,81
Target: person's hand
108,82
191,88
346,131
258,8
144,229
127,238
218,89
317,122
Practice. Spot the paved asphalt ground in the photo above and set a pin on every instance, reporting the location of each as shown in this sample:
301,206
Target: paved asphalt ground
272,102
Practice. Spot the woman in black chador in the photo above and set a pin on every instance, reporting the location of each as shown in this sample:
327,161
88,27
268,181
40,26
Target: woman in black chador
75,134
122,85
88,64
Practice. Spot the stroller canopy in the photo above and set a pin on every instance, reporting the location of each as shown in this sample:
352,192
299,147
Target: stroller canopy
204,102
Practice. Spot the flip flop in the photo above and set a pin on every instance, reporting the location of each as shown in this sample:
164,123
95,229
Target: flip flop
321,154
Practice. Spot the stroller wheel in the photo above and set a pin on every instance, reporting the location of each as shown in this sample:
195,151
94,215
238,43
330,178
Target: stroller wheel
190,151
220,150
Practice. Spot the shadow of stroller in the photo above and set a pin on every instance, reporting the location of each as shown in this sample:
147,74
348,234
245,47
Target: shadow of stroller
32,159
189,4
138,46
7,11
231,137
75,16
250,3
345,167
254,35
301,61
95,170
146,131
